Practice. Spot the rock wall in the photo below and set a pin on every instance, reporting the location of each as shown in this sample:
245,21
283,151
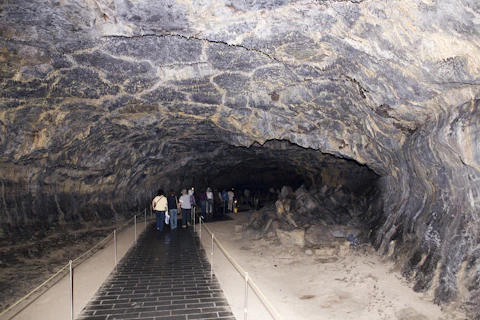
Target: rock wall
103,101
432,214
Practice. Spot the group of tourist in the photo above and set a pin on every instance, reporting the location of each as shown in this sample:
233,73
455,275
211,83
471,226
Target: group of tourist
170,205
167,207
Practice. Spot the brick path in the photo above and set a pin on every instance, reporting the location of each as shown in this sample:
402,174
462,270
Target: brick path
164,276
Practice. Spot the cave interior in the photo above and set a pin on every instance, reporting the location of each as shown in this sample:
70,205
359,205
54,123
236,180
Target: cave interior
102,102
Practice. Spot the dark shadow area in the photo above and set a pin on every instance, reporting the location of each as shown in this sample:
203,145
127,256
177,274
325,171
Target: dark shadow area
342,189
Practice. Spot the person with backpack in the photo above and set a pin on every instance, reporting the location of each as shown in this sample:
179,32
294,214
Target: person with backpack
173,204
159,206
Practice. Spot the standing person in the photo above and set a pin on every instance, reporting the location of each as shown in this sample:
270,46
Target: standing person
159,206
172,208
193,203
209,202
247,195
186,208
271,191
219,203
224,200
202,197
231,195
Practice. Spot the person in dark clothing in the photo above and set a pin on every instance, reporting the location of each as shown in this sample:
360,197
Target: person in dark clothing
172,208
224,201
209,202
217,205
202,197
186,207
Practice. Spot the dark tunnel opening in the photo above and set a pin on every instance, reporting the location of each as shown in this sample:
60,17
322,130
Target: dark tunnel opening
339,191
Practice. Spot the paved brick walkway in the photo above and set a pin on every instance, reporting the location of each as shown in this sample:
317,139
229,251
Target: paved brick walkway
164,276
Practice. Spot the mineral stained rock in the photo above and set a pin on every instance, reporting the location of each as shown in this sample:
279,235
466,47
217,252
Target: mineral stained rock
103,101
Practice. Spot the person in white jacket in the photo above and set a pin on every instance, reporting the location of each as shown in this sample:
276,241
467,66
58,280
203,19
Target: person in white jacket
231,195
186,208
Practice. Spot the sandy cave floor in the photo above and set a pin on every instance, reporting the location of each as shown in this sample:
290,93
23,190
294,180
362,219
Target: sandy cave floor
358,286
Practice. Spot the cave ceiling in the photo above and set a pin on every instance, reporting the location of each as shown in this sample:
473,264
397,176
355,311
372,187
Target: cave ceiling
99,85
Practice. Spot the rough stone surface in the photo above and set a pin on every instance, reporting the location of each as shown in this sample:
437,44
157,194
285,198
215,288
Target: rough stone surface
292,238
238,228
102,102
343,232
309,252
343,248
318,234
326,251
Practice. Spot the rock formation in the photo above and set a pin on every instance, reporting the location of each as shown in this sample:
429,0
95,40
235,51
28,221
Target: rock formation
315,217
103,101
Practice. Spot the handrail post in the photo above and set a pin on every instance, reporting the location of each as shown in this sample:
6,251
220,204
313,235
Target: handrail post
135,218
71,290
193,214
145,211
115,247
200,221
246,295
211,262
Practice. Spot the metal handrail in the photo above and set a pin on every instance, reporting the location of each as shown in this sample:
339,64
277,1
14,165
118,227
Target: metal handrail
70,266
243,273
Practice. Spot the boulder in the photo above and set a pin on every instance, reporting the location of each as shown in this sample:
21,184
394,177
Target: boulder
305,203
318,234
283,211
324,189
327,250
300,192
275,226
290,219
295,237
255,220
286,193
280,209
343,249
267,226
340,231
251,234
